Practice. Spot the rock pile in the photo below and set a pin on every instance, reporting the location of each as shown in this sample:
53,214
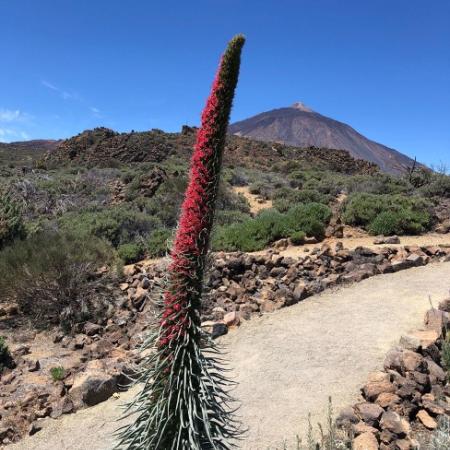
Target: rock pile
92,362
406,398
241,285
55,374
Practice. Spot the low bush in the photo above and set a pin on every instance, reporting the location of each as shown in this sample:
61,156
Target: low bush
403,221
11,222
53,279
120,224
158,243
57,373
130,253
6,361
378,184
437,186
445,354
388,214
230,217
252,234
298,238
270,225
285,198
440,437
311,218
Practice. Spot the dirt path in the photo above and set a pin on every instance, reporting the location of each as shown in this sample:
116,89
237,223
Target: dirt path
256,204
364,240
289,362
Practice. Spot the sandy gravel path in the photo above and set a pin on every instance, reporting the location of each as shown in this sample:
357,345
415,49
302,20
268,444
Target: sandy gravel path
289,362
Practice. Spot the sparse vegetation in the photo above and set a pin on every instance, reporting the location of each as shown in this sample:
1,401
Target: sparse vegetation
11,221
331,438
298,237
158,243
57,373
6,360
445,354
388,214
270,225
52,278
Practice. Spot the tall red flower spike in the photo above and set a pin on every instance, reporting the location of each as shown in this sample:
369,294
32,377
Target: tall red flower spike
184,402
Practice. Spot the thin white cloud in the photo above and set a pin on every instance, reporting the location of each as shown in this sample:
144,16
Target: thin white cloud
8,135
49,85
9,115
65,95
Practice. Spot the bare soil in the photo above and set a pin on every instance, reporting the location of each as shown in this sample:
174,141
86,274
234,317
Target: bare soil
256,203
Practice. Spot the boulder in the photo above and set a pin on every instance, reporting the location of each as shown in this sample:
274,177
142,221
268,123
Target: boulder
362,427
346,416
387,400
231,319
411,360
419,340
436,320
436,372
392,422
300,292
369,412
427,420
92,329
378,382
415,259
92,387
444,227
365,441
386,240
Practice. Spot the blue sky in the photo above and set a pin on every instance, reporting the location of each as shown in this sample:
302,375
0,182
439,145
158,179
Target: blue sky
382,66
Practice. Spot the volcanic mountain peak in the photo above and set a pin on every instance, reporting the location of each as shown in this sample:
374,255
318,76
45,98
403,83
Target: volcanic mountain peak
301,107
300,126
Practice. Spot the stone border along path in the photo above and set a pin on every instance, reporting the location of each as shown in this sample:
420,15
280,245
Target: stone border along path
287,363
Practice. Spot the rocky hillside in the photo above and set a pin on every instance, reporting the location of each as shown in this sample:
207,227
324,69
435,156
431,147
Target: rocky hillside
102,145
300,126
25,152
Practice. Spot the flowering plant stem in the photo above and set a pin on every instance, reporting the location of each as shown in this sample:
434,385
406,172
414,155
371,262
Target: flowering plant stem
184,403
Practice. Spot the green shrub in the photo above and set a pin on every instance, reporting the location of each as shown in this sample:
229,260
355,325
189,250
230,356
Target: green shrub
252,234
386,223
228,200
130,253
256,188
158,243
52,278
284,198
11,221
387,214
6,360
445,355
399,222
378,184
311,218
57,373
298,238
270,225
438,186
439,439
230,217
118,225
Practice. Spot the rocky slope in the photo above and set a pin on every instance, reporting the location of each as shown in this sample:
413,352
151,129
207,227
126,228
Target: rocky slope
24,153
300,126
91,363
102,145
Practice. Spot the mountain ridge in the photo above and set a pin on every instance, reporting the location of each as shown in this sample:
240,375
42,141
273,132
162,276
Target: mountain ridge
299,125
